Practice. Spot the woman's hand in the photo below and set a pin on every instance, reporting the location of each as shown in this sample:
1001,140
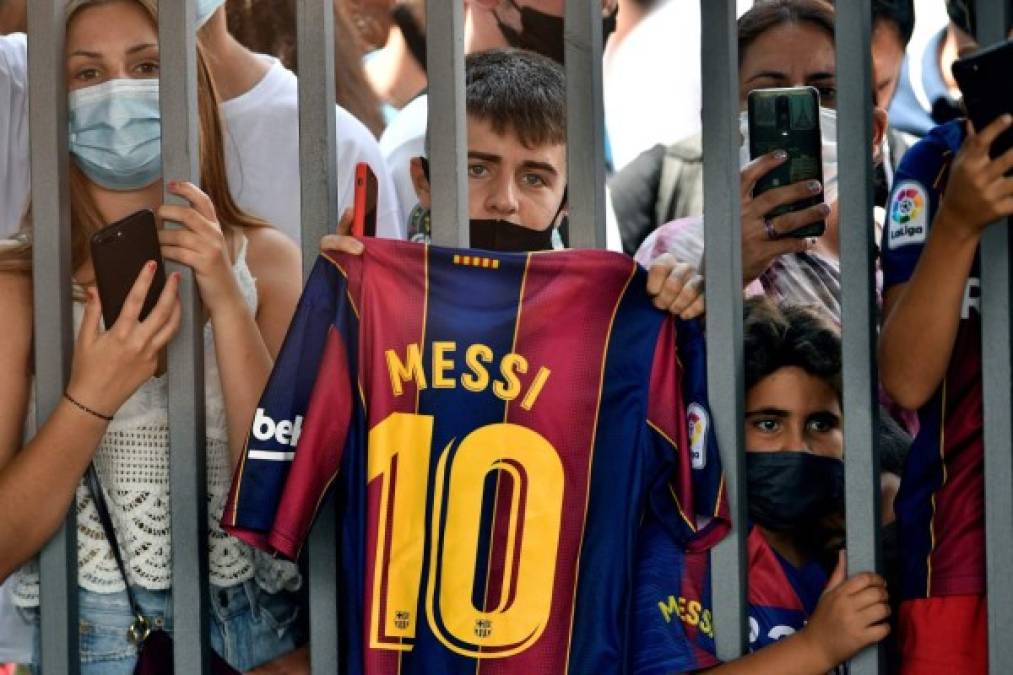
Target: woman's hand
676,287
200,244
851,615
760,244
110,366
343,241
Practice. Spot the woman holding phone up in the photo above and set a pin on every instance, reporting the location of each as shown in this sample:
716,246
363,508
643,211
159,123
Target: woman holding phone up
115,408
782,43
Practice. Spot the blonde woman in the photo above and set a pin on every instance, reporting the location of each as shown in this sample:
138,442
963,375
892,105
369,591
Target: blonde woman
115,410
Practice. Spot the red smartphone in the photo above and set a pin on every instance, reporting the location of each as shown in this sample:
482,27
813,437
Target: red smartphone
364,214
119,253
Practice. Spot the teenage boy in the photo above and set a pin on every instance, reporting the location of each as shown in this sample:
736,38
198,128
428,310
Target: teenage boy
516,111
948,189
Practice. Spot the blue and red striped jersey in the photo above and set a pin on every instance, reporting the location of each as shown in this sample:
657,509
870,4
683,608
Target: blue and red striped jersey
494,427
940,507
674,625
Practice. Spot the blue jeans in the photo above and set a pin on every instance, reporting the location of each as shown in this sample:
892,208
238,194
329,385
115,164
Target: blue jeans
249,627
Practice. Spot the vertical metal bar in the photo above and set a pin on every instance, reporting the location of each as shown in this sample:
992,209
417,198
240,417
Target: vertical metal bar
723,264
858,303
52,308
318,174
993,19
447,130
187,438
585,132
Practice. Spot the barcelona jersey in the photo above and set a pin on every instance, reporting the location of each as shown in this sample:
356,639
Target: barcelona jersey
494,426
940,507
673,624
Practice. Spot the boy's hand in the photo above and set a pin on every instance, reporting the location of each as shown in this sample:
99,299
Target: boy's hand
978,192
850,616
676,287
343,241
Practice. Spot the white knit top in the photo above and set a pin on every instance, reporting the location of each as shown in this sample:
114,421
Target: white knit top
133,465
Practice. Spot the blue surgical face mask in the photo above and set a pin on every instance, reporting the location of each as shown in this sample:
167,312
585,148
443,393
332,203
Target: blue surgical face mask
116,133
205,8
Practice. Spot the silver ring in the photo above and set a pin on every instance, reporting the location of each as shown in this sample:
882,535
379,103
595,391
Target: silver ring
768,225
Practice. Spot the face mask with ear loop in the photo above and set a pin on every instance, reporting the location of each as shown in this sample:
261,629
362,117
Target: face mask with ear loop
495,234
543,33
412,33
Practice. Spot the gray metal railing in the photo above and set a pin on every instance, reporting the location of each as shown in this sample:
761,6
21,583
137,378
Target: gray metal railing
993,18
53,334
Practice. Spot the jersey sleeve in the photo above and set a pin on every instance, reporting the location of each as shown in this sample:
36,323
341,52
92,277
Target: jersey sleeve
913,205
308,373
690,502
673,627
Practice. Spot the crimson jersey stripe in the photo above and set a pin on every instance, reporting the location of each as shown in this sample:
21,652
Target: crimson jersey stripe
576,364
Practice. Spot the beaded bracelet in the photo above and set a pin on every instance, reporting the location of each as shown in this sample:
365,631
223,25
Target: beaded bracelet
106,418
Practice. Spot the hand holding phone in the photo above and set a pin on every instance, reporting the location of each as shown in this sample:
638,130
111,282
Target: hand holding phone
983,78
366,189
119,253
788,119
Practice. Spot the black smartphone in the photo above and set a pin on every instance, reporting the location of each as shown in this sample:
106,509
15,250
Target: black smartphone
119,253
364,219
983,78
788,119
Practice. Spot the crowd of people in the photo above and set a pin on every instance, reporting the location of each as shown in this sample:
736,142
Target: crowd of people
937,188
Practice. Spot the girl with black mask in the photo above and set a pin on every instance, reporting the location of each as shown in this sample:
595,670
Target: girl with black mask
806,617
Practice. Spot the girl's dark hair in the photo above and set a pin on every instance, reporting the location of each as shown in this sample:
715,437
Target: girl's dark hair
790,335
767,14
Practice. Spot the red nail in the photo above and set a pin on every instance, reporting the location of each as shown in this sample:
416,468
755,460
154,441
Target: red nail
173,185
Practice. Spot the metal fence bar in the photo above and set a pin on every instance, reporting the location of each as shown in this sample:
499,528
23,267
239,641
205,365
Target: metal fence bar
993,18
585,124
52,309
723,264
187,437
448,133
319,208
858,302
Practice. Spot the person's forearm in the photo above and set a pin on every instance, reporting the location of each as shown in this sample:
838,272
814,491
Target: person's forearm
39,483
919,332
793,655
244,364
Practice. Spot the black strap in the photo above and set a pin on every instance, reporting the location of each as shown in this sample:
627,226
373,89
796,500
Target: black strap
98,497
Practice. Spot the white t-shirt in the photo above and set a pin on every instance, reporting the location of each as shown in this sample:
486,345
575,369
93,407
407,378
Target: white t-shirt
638,117
262,155
14,161
403,140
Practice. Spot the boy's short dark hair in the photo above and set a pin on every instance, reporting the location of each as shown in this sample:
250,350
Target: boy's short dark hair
790,335
519,91
901,13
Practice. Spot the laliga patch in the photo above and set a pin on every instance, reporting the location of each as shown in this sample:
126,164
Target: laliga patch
908,222
699,423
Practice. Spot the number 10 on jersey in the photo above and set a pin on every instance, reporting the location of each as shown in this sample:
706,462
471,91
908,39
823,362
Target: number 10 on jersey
399,455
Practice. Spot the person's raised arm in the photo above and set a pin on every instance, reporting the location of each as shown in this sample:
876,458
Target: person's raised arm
922,315
38,482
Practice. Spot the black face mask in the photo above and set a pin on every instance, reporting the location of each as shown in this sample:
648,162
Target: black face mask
500,235
793,491
414,36
540,32
504,236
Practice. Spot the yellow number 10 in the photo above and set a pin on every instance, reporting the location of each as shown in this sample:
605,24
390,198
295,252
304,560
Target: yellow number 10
399,454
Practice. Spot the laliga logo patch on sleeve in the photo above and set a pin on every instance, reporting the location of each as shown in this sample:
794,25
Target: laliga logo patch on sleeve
908,223
699,423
